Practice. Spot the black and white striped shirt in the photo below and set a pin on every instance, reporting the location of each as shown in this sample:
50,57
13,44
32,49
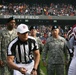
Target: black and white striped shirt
23,51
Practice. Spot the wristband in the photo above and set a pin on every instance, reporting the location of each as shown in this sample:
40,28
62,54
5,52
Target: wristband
34,69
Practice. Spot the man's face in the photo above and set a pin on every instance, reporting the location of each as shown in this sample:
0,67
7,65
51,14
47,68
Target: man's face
13,22
55,32
11,25
23,36
33,32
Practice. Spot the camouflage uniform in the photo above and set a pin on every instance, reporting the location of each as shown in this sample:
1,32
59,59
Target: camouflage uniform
6,37
56,49
39,44
40,48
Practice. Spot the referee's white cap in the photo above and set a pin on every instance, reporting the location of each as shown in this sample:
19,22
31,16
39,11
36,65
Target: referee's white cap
22,28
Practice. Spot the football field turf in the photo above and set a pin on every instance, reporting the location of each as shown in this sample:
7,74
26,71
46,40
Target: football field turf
42,69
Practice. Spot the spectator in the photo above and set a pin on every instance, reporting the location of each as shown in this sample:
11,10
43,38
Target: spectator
37,9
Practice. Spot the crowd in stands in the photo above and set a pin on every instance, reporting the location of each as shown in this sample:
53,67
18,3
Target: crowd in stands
38,9
44,31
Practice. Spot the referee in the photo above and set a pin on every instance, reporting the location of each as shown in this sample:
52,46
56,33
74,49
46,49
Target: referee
23,54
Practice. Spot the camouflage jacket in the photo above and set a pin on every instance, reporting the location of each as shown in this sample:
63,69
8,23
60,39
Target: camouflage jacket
39,44
5,38
56,50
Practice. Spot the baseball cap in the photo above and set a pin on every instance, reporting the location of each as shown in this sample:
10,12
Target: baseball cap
9,19
22,28
33,27
54,27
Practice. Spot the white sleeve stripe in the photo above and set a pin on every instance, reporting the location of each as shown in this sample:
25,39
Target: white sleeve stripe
10,46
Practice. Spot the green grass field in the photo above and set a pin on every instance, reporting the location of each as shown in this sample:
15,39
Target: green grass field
42,69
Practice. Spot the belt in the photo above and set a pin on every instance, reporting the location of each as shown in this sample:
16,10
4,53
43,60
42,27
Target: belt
28,62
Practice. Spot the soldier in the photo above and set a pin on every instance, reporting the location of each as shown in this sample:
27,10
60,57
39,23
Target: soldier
56,49
33,32
7,35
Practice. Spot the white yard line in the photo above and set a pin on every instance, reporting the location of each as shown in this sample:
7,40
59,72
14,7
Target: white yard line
42,73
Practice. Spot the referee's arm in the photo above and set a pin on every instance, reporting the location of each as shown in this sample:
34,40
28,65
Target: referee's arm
36,58
12,65
10,62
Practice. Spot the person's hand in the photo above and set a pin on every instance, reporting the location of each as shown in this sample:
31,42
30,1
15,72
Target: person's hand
66,62
44,63
1,63
22,70
34,72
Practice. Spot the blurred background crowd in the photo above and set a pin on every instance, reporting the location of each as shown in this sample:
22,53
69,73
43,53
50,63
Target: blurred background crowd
38,9
44,31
